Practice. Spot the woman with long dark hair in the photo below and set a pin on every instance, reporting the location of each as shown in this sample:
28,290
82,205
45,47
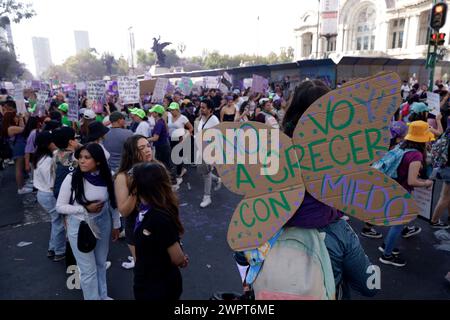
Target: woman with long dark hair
135,150
158,230
44,181
31,128
88,195
13,126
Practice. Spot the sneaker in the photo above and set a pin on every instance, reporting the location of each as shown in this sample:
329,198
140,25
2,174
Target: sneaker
395,251
29,184
206,202
411,231
122,234
108,264
439,225
345,218
130,258
50,254
9,162
24,190
108,299
59,257
218,185
393,261
179,181
183,172
371,233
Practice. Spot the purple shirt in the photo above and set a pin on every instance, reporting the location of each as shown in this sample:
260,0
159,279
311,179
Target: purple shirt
313,214
403,168
161,130
31,142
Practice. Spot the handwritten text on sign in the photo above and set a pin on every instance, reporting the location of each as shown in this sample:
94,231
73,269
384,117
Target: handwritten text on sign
72,101
129,89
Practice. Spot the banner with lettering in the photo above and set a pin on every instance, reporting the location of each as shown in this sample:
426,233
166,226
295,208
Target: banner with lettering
129,89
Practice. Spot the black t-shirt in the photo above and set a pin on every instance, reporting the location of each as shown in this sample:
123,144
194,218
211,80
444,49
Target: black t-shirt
155,277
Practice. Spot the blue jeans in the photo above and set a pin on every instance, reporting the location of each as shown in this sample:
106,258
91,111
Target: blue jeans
57,241
92,265
348,259
391,239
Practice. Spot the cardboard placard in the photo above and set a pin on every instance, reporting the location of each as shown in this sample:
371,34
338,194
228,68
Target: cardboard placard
147,86
259,84
434,101
72,101
423,197
160,90
19,98
339,137
129,90
96,93
269,200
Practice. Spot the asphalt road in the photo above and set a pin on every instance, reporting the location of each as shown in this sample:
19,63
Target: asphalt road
26,273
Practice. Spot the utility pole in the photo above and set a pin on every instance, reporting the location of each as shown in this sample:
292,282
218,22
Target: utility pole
435,38
130,31
318,31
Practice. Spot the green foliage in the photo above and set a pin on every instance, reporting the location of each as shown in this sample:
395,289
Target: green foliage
15,10
10,68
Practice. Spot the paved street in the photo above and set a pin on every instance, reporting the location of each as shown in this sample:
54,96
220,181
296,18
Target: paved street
26,273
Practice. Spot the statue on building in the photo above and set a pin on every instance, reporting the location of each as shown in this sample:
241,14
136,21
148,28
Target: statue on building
158,50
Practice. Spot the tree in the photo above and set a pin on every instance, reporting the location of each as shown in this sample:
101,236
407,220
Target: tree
122,67
145,59
85,66
58,72
15,10
172,59
10,68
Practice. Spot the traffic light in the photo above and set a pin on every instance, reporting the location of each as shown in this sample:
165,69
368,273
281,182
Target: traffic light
437,39
438,15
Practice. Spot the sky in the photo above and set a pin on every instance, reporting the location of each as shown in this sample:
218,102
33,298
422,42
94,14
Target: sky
229,26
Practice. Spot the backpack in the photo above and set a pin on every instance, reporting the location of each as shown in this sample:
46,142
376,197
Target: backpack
61,172
391,161
439,151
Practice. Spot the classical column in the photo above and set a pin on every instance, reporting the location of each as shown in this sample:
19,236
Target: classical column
382,36
413,31
406,32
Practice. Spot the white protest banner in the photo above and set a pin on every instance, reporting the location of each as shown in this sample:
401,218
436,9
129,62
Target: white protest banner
160,90
210,82
42,98
81,86
423,197
72,101
259,84
96,93
129,89
434,101
227,81
19,98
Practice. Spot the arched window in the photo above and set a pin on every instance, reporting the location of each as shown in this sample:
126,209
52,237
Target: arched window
307,44
424,22
365,29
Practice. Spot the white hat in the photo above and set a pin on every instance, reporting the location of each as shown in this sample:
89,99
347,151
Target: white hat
89,114
263,101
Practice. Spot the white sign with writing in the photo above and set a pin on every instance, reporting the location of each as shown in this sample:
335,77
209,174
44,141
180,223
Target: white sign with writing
434,101
160,90
129,90
72,101
423,197
41,102
19,98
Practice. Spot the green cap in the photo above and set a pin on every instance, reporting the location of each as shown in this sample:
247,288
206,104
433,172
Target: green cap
138,112
64,107
419,107
131,110
158,109
174,106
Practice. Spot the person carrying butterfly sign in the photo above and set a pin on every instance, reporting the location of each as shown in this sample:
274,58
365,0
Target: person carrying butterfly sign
287,219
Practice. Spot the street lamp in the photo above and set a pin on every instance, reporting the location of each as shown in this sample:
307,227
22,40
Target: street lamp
130,31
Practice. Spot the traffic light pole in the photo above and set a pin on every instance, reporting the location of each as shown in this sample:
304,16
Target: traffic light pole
431,57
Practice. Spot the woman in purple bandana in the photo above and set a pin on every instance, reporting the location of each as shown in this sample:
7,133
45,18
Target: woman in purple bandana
157,236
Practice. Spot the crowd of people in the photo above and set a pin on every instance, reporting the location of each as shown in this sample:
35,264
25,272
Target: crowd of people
110,173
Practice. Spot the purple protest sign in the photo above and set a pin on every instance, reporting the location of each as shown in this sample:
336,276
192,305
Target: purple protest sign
259,84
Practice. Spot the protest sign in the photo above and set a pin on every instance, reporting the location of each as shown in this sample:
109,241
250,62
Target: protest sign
19,98
129,90
248,83
147,86
112,88
160,90
248,152
423,197
337,140
96,93
434,101
210,82
72,101
81,86
259,84
186,85
227,81
41,103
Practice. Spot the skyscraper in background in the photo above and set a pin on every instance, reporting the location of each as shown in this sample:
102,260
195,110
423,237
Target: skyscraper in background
42,55
81,41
